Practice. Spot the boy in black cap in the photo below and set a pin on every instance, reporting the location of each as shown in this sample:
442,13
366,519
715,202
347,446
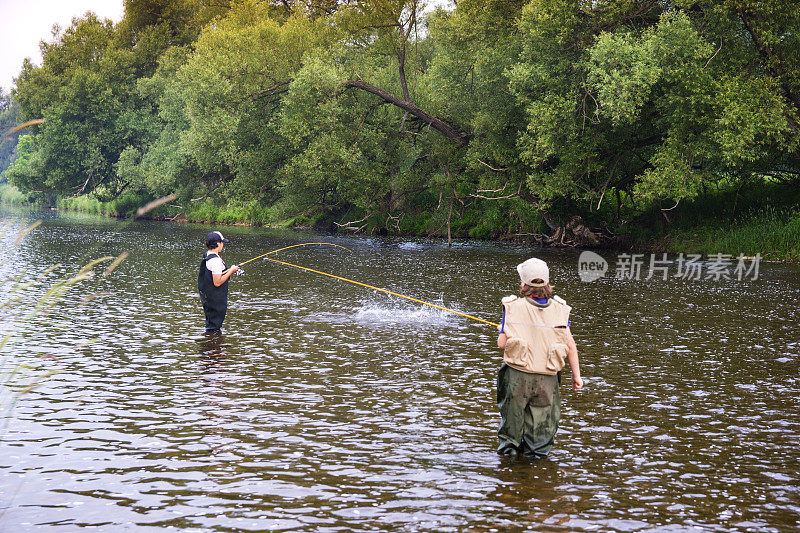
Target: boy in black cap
212,282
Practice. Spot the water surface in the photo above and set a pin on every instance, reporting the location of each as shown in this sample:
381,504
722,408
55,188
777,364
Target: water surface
327,406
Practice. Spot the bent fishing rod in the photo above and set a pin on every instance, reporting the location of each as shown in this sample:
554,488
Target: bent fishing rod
295,246
264,256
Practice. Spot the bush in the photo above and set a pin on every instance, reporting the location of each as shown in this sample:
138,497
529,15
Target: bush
775,234
10,195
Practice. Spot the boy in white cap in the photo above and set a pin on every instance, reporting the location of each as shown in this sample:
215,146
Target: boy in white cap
212,282
536,340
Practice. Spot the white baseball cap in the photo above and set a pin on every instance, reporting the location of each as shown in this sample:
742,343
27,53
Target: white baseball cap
533,269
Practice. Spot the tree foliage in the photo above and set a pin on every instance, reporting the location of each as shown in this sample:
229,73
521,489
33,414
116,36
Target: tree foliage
510,110
8,141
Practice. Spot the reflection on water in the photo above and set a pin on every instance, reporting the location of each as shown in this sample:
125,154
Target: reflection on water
327,406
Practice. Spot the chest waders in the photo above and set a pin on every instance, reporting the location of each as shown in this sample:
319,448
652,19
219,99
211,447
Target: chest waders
214,299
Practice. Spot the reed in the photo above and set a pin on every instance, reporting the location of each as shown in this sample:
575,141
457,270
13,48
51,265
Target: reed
33,302
10,195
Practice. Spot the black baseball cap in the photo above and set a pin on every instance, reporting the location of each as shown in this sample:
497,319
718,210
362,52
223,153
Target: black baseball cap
214,237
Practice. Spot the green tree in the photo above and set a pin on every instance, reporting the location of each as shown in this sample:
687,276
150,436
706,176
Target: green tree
82,90
360,107
9,112
657,100
97,122
496,116
230,90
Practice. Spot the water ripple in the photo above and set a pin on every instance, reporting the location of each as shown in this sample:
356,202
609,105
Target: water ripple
325,406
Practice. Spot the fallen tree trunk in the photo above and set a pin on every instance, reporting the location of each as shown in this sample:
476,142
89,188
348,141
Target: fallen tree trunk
574,233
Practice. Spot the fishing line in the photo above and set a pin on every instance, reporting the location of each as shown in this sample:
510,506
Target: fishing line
377,288
365,285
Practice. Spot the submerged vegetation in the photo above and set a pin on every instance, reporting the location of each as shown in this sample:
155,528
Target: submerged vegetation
562,122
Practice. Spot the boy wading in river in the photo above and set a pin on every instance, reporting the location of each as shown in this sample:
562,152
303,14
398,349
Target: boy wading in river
212,282
536,342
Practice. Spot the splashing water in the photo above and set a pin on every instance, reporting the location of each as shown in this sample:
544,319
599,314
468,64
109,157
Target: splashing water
379,315
410,246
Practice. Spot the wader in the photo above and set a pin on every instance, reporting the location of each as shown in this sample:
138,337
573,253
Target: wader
214,299
528,382
530,408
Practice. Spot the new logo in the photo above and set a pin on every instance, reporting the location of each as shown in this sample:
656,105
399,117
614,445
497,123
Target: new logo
591,266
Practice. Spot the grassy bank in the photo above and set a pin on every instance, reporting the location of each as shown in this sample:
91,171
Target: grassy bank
10,195
124,206
773,234
427,216
761,217
205,211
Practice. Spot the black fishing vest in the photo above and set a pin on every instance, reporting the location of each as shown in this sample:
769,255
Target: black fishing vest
216,297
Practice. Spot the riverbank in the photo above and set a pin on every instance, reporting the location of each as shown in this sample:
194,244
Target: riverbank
10,195
763,218
774,236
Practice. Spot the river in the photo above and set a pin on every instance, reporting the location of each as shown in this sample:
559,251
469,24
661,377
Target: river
326,406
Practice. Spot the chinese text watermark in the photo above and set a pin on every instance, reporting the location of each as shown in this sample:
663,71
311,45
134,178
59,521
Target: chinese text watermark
716,267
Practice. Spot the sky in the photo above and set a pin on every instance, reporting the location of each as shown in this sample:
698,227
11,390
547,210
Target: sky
23,23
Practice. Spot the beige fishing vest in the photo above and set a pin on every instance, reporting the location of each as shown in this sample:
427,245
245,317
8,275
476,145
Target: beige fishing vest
534,345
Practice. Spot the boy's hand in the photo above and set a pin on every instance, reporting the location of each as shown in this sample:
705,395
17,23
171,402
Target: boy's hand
502,339
577,382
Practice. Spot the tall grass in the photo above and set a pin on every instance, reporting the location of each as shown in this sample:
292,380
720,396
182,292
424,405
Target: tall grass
121,207
774,234
252,213
10,195
758,217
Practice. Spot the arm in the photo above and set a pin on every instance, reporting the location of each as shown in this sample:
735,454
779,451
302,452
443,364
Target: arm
574,363
501,341
219,279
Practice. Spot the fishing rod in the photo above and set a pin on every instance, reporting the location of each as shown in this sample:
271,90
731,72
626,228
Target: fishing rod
295,246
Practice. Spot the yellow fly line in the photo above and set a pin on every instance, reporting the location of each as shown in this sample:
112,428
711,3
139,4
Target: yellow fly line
356,282
377,288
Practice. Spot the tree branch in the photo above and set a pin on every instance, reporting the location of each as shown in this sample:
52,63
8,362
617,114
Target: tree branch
773,64
512,195
278,88
455,135
351,225
491,167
